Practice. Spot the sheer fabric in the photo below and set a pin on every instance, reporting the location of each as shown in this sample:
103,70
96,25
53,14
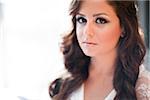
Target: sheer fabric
143,85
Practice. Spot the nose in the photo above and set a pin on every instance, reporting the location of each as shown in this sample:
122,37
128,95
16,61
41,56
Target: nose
89,30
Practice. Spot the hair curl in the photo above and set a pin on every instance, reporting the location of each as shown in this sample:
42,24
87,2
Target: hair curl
131,51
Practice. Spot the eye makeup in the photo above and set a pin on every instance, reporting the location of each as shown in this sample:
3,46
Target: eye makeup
98,19
81,20
101,20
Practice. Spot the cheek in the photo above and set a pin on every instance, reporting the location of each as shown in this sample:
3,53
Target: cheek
109,36
79,33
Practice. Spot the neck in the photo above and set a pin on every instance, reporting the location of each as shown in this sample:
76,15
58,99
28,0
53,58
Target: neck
103,65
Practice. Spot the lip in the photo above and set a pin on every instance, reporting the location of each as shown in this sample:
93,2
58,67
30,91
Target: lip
90,43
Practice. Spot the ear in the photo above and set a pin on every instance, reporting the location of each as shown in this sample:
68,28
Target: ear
123,32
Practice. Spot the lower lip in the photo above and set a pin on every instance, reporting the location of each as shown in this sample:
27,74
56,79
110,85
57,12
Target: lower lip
89,44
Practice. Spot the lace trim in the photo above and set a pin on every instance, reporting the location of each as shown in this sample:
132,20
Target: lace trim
143,84
144,91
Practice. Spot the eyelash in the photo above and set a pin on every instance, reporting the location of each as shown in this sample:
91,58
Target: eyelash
81,20
99,20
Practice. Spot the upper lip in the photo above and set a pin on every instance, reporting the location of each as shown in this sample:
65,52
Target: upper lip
90,43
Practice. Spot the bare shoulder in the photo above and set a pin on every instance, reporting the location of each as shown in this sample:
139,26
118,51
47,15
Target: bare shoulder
143,84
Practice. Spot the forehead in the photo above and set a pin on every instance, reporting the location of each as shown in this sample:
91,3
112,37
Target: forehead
96,6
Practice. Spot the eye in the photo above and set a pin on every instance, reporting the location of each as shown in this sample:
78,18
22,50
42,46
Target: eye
81,20
101,20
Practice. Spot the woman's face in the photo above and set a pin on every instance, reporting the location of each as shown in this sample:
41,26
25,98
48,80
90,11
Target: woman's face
98,28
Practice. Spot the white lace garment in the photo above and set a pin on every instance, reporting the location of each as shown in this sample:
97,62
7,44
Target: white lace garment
142,88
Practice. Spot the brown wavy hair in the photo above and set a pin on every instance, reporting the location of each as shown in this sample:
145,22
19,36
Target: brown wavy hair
131,51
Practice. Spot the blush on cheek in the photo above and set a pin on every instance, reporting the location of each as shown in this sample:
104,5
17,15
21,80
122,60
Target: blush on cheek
110,37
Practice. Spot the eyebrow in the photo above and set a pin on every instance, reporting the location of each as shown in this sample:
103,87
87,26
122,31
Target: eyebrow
98,14
94,15
80,14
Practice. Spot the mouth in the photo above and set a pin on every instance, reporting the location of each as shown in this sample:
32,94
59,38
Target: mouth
89,43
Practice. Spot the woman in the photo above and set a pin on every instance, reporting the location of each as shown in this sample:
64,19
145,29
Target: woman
103,53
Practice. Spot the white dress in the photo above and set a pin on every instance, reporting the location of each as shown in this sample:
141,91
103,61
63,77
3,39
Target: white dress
79,94
142,88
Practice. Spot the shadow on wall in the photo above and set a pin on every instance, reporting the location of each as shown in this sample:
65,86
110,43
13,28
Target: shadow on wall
22,98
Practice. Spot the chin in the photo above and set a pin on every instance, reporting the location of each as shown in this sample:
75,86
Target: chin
90,54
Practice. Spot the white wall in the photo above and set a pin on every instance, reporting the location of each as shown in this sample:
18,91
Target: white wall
30,37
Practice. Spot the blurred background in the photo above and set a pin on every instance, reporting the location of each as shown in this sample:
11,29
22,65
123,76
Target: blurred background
144,14
30,34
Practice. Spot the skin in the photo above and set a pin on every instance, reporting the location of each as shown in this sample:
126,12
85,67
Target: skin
98,32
